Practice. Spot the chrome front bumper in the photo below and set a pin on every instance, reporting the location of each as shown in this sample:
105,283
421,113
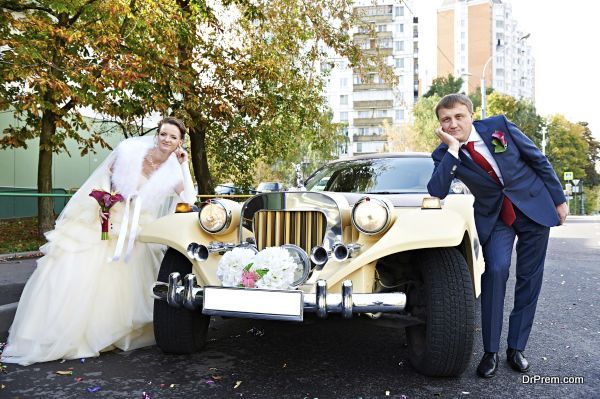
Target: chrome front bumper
346,303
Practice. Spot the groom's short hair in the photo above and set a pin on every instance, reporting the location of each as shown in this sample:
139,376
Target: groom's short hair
450,100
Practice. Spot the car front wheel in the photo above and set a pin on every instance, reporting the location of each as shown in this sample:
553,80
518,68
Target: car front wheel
443,299
178,330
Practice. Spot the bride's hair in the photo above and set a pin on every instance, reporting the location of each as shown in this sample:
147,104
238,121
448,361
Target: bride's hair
175,122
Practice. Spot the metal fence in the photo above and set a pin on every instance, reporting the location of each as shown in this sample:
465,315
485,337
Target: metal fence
21,202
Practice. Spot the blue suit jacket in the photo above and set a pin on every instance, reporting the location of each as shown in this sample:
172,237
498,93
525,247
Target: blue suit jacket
529,180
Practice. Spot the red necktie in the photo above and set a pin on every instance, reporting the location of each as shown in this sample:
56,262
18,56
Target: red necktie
507,212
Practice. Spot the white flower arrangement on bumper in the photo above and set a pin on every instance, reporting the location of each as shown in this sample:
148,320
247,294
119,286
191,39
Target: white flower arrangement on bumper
271,268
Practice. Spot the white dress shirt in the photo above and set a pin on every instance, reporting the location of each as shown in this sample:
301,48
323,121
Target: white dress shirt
481,148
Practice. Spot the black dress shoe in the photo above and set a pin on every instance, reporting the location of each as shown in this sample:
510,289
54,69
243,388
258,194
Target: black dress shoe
517,360
488,365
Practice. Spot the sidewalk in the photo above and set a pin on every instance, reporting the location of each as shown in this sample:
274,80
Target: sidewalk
15,269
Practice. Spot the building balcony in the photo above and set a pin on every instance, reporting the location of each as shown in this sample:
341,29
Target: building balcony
385,51
372,121
369,137
373,104
369,35
371,86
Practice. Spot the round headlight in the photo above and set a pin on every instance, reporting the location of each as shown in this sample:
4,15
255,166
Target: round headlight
370,215
214,216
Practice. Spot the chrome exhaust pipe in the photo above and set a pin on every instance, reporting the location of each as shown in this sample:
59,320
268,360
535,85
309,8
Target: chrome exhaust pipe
319,256
198,252
340,252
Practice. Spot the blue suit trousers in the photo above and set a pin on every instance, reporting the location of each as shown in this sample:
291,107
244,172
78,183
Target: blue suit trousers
531,248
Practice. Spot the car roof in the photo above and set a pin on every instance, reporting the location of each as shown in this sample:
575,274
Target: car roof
385,155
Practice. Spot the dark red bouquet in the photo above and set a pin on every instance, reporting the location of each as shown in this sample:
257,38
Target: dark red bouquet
106,201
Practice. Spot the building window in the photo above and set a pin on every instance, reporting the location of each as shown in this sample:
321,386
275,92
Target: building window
384,43
499,23
358,80
399,62
344,100
381,28
399,46
399,11
381,113
400,28
344,82
361,131
343,117
463,35
399,114
364,114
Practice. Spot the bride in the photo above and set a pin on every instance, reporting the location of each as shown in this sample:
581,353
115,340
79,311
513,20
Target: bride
89,295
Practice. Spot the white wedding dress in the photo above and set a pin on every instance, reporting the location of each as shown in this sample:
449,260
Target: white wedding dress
79,301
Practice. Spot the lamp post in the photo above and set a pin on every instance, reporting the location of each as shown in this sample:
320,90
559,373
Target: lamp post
498,46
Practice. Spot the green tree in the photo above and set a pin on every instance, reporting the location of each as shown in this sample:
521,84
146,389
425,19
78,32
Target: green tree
57,58
444,85
567,149
425,123
591,175
521,112
246,83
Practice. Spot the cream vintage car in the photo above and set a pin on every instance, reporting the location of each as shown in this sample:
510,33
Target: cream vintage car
366,241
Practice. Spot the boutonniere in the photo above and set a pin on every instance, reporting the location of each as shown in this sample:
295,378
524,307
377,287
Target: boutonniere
499,142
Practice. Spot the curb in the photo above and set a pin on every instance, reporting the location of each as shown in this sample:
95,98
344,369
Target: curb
19,255
7,314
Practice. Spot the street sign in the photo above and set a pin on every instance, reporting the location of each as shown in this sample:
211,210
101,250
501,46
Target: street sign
576,181
568,176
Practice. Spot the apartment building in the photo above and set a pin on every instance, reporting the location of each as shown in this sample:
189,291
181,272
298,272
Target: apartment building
365,103
480,38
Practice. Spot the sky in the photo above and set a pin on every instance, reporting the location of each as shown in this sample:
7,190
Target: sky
564,40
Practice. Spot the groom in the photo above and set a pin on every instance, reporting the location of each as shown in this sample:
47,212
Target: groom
517,194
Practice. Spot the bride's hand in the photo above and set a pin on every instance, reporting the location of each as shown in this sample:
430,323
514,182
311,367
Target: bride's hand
103,216
181,155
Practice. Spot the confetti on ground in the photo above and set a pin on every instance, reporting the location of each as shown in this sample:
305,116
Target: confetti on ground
2,386
209,382
217,377
78,379
466,393
62,361
172,385
257,332
82,360
387,393
544,358
145,395
284,365
93,389
65,372
237,384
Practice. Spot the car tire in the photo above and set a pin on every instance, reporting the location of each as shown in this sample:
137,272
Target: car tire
178,330
444,300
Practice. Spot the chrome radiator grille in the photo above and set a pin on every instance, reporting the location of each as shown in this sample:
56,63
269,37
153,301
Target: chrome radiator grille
302,228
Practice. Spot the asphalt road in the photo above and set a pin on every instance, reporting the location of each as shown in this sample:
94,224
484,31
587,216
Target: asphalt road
351,359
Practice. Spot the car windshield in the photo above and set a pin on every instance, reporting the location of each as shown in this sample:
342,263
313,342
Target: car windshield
374,176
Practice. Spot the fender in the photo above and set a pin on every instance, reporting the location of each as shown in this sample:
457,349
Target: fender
416,229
